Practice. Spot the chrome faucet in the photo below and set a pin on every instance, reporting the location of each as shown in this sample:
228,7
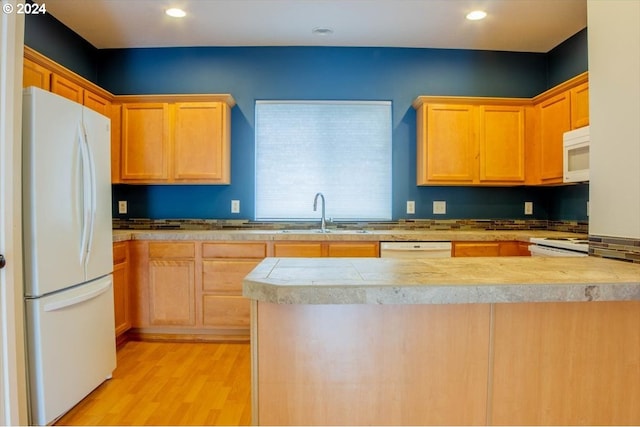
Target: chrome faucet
323,222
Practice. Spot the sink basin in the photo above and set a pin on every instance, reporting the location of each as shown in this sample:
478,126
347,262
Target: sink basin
327,231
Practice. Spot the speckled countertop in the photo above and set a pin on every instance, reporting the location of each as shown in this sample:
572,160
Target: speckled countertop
441,281
342,235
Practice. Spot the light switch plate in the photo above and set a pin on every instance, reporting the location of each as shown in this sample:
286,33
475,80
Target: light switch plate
235,206
439,207
122,206
528,208
411,207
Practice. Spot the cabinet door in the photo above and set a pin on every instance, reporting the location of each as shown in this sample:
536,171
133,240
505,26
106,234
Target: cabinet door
353,249
171,292
97,103
502,134
121,288
555,120
145,142
67,88
446,148
35,75
201,142
580,106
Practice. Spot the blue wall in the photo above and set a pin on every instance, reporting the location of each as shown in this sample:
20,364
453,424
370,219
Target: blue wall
53,39
399,75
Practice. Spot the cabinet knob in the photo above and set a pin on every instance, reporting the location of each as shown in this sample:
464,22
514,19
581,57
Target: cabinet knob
3,261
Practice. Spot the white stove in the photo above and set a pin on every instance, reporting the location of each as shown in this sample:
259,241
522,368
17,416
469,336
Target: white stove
559,246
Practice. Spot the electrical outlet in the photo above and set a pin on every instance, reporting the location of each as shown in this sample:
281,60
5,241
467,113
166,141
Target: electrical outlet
235,206
122,206
528,208
411,207
439,207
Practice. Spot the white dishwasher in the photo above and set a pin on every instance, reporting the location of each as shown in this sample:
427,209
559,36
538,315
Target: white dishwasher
415,250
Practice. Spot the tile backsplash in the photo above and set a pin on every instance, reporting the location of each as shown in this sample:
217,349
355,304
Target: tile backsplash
418,224
619,248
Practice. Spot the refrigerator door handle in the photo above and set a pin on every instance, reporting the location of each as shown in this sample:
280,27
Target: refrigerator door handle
58,305
93,192
86,210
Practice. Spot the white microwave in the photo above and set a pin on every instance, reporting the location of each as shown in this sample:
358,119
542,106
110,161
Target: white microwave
576,155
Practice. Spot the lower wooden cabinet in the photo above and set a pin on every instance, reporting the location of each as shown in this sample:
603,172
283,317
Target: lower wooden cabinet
191,290
121,298
224,266
490,249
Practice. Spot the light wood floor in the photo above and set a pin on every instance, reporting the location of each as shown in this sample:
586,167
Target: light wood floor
171,384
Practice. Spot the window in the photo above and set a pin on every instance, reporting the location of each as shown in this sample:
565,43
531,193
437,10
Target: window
339,148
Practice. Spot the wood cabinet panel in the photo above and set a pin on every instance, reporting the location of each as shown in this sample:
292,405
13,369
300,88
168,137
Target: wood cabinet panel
469,249
234,250
297,249
145,142
566,364
554,120
67,88
226,311
353,249
171,292
121,289
580,106
116,138
97,103
225,275
371,364
490,249
502,143
35,75
509,248
201,142
172,249
446,143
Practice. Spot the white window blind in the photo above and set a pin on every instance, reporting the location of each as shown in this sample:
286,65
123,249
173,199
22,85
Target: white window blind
339,148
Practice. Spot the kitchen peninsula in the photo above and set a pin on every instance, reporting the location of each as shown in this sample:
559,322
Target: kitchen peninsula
457,341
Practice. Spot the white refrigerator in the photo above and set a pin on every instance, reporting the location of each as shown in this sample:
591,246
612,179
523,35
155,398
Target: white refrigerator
68,259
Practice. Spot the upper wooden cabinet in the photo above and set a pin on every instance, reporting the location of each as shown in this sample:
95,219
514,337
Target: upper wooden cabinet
497,141
470,141
580,105
502,144
558,110
201,149
174,142
96,103
67,88
145,142
35,75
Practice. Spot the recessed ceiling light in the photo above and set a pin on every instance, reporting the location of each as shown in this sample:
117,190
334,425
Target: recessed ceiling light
176,13
322,31
476,15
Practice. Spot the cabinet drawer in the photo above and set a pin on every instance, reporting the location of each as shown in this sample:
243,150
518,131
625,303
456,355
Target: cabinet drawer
297,249
172,250
225,311
234,250
476,249
353,250
225,276
119,252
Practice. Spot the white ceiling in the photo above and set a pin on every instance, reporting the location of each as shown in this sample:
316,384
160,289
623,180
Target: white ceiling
511,25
